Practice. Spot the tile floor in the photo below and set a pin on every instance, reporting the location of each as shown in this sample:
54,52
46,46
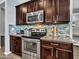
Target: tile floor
10,56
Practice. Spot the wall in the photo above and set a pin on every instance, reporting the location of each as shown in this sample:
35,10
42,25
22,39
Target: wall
11,10
75,4
2,28
1,0
2,21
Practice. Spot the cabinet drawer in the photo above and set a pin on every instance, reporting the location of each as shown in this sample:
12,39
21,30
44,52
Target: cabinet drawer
45,43
66,46
51,44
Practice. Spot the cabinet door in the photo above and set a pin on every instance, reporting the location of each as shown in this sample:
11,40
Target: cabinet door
40,4
35,5
48,52
31,7
50,11
62,10
17,46
28,8
20,15
64,54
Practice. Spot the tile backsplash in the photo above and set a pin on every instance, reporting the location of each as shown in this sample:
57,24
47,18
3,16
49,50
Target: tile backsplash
63,29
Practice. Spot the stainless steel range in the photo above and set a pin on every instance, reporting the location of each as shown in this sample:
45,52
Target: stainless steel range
30,48
31,44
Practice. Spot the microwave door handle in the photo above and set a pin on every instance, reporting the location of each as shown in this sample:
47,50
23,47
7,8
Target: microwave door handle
38,17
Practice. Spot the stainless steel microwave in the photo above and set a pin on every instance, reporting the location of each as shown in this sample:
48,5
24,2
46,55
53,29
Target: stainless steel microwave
35,17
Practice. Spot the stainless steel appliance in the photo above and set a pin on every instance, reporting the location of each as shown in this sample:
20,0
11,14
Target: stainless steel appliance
31,44
30,48
35,17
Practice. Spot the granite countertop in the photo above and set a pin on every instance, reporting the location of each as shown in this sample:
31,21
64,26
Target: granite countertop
24,35
58,39
76,43
76,38
18,35
76,34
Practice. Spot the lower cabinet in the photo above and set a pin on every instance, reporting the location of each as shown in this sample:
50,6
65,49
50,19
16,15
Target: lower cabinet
15,45
55,50
47,52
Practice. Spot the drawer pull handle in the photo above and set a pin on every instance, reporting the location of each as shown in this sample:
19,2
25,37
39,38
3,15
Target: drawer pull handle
52,52
54,44
47,47
56,53
63,50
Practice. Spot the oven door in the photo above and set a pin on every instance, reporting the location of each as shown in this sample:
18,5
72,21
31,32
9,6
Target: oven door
31,46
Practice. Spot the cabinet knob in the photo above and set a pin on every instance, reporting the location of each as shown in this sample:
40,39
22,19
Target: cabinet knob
56,53
53,17
57,17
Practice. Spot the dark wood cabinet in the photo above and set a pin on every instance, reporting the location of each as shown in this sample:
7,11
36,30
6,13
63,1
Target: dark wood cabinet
55,11
23,9
50,11
62,10
40,4
29,9
64,54
47,52
15,45
20,15
56,50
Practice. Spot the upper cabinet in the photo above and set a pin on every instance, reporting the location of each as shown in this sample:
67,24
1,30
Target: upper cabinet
63,11
31,7
50,11
55,11
21,15
23,9
75,4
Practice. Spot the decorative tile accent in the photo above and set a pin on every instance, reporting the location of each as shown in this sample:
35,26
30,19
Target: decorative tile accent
63,29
